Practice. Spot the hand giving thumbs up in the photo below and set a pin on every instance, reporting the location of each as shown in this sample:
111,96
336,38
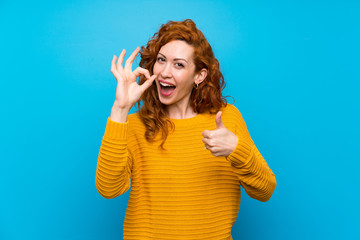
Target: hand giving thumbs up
221,142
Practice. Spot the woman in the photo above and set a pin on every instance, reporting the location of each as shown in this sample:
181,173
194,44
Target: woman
186,152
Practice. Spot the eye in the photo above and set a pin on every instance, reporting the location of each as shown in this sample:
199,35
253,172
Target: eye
180,65
160,59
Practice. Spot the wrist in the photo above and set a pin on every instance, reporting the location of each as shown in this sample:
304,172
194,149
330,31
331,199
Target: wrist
234,143
119,114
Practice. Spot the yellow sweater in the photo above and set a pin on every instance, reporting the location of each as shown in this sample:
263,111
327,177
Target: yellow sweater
183,192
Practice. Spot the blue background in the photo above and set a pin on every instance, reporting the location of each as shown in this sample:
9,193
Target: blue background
292,67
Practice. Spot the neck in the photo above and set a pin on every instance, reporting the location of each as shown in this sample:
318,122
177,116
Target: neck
180,111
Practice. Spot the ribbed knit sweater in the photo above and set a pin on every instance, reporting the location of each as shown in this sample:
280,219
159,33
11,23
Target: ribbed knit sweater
182,192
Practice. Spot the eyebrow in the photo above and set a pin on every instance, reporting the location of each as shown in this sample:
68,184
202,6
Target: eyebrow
174,58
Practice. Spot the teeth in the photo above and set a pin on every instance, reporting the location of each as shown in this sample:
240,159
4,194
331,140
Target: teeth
165,84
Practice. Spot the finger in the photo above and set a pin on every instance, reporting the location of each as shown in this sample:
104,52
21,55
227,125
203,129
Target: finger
207,134
219,122
130,60
113,64
147,83
211,143
214,150
216,153
121,59
114,69
139,70
207,146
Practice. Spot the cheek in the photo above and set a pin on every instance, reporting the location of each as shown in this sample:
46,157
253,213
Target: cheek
156,68
186,79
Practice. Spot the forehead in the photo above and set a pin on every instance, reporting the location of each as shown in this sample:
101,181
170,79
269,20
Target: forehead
177,49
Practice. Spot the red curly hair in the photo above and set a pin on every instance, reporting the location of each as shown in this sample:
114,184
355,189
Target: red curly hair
207,97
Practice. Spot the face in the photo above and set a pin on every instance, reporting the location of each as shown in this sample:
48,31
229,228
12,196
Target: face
175,70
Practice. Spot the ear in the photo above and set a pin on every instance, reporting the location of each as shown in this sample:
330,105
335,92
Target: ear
200,76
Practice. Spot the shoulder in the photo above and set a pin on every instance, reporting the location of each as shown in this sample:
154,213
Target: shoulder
230,111
135,122
134,117
232,116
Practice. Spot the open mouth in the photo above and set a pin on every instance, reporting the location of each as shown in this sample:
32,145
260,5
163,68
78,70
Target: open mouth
166,89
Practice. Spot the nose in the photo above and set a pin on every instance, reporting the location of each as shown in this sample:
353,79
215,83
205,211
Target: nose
166,71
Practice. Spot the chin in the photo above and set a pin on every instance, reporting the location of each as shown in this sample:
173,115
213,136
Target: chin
164,100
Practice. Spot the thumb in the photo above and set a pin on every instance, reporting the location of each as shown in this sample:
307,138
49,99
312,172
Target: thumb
147,83
219,123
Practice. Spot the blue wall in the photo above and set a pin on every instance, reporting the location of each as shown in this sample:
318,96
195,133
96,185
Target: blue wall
292,66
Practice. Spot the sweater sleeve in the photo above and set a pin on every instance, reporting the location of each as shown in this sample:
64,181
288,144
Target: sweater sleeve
113,172
254,174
